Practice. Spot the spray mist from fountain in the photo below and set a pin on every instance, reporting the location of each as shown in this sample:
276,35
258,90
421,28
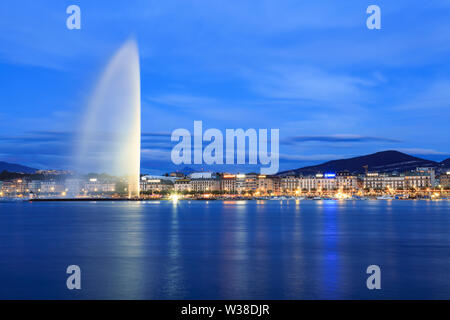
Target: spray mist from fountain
110,137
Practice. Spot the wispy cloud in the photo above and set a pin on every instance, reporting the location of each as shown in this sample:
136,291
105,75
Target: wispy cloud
434,97
309,84
312,157
55,149
185,101
336,138
422,151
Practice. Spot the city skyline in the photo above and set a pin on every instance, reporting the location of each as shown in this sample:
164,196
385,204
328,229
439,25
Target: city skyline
334,88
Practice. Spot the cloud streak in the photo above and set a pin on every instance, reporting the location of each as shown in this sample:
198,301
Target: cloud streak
336,139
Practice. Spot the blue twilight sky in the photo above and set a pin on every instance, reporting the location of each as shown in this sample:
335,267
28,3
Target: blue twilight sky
310,68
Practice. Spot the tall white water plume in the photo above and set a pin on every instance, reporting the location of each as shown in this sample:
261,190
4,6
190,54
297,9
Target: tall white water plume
110,137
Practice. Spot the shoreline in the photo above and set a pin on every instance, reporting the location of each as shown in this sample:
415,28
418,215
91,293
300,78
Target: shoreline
202,199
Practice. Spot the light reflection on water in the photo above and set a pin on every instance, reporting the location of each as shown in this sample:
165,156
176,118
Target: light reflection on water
225,250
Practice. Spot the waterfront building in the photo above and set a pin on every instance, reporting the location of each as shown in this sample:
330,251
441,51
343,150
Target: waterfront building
14,187
373,180
205,184
430,172
7,187
182,185
266,184
251,182
444,180
21,186
320,181
228,183
290,183
34,186
346,181
240,183
94,185
325,184
307,184
419,180
377,181
276,181
49,187
395,182
18,186
156,183
74,187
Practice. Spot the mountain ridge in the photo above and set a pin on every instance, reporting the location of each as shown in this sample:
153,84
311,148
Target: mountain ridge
13,167
383,161
446,163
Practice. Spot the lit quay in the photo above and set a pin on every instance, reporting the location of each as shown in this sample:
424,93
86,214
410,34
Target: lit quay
421,183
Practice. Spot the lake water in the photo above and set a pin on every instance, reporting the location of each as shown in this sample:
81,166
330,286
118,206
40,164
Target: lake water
225,249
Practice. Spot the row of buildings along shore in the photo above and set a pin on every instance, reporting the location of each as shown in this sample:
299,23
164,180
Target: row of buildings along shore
250,184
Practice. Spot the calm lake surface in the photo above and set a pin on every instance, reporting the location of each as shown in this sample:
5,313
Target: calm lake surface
225,249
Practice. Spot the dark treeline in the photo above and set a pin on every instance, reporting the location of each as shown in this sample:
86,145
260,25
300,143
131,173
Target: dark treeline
6,175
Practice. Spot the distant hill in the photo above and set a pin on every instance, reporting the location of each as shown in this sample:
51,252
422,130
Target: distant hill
446,163
384,161
12,167
187,170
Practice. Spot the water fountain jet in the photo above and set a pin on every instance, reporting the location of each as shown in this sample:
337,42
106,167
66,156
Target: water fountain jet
110,137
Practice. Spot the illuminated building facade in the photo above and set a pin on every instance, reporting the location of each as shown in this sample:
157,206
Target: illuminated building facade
444,180
205,185
156,183
228,183
182,185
